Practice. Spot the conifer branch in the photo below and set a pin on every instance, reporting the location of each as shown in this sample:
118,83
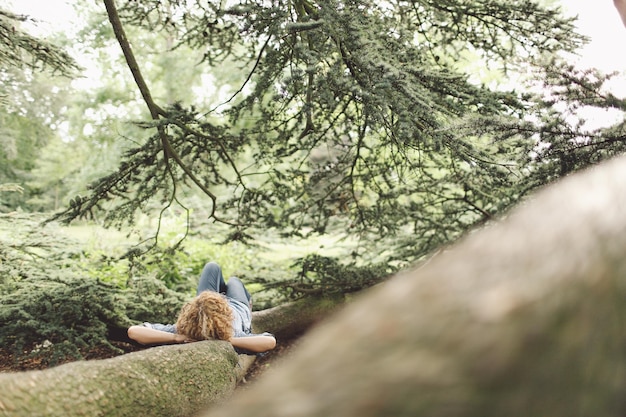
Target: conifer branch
16,44
155,111
248,78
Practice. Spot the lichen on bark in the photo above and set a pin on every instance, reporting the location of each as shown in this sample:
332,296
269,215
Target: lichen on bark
167,381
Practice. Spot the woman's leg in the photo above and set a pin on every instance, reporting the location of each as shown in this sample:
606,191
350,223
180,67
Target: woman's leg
238,291
211,279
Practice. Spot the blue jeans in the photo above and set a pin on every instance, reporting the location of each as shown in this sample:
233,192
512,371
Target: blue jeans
211,279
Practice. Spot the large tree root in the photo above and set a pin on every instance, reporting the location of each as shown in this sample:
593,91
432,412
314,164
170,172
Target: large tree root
523,318
162,381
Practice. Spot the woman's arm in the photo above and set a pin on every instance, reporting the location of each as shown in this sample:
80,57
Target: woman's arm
148,336
257,344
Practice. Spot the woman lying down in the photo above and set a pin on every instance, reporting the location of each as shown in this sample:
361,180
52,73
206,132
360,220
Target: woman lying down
219,311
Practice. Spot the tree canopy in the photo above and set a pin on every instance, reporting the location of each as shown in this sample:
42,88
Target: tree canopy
24,124
358,117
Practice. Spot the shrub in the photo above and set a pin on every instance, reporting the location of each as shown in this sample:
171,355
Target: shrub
59,318
53,309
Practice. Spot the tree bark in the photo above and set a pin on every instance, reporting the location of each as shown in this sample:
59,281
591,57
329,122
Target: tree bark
176,380
522,318
169,381
291,320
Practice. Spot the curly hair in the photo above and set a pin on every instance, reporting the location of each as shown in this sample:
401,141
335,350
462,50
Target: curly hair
207,316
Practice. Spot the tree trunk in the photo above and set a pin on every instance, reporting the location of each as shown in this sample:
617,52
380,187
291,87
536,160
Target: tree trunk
522,318
292,320
169,381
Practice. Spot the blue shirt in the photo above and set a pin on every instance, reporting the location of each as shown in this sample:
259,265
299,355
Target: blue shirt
242,318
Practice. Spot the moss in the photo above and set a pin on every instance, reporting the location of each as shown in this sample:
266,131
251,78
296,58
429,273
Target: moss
162,381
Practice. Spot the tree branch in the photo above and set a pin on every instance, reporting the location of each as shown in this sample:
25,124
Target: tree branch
155,111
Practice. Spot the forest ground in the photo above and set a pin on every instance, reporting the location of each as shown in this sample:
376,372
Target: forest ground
9,363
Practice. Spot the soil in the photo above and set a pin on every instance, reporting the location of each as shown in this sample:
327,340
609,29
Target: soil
266,363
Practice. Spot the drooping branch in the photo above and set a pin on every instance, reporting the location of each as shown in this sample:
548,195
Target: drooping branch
15,43
120,34
199,134
156,112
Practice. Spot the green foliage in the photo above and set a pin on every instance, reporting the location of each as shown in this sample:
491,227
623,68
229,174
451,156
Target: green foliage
61,298
101,265
353,118
61,318
20,49
50,309
28,120
179,268
20,140
149,299
27,104
567,143
58,318
317,275
29,252
46,307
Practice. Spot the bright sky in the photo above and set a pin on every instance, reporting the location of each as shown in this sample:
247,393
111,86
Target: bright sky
50,14
597,19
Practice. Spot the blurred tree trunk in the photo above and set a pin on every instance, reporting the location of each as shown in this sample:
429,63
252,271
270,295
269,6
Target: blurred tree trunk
175,380
522,318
